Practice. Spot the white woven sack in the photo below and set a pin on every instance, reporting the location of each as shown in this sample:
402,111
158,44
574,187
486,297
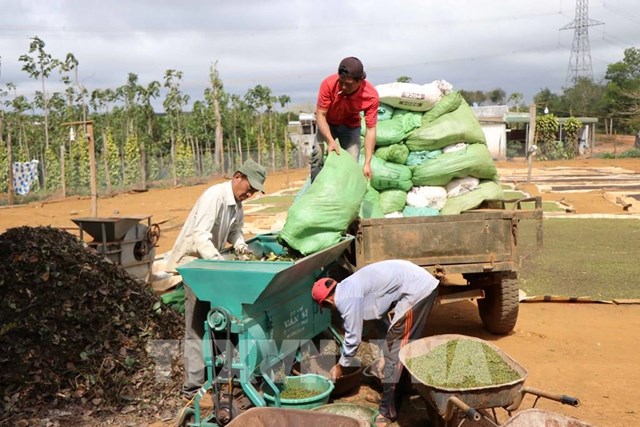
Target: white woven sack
411,96
427,196
458,186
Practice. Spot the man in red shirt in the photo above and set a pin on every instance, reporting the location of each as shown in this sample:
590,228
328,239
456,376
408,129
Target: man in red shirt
341,98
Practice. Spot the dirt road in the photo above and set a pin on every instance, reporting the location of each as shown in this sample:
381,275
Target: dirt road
586,350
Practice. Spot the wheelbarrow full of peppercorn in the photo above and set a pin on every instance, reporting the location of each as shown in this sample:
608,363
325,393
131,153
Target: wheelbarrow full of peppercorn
261,315
464,380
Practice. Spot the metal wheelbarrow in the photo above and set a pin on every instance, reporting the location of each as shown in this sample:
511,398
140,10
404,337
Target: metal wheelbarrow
475,406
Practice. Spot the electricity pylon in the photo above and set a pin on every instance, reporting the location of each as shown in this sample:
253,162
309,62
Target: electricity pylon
580,60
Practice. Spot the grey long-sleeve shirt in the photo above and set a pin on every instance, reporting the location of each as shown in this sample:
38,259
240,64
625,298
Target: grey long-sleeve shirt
370,292
214,220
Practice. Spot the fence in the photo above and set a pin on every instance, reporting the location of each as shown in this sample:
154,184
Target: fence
159,172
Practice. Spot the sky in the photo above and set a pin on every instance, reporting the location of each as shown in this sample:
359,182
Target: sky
291,45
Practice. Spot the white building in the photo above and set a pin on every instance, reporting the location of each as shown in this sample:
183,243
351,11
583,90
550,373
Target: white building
302,132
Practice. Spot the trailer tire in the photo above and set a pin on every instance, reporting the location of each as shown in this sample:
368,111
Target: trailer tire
499,308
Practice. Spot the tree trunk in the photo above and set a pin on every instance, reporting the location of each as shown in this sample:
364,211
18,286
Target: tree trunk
63,182
272,139
105,161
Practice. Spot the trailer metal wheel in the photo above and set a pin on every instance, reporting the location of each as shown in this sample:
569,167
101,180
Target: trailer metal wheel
499,308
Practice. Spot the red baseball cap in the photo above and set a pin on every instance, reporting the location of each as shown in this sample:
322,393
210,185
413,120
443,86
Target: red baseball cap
322,289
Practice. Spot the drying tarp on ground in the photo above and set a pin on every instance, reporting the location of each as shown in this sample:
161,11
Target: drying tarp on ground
387,175
486,190
459,125
474,161
322,214
394,153
392,201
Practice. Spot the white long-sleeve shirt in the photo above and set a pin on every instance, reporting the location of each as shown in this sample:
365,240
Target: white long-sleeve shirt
370,292
215,219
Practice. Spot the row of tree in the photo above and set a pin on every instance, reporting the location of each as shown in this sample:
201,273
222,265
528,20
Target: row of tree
135,143
213,136
616,99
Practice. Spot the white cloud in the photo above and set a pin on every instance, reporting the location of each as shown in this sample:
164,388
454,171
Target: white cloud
291,45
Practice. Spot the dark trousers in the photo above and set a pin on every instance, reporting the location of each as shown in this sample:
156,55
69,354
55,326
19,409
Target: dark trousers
348,138
409,327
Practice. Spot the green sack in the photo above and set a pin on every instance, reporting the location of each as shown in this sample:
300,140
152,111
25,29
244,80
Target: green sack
323,213
460,125
394,153
416,158
370,207
410,211
387,175
175,298
486,190
385,112
397,128
447,104
475,160
392,201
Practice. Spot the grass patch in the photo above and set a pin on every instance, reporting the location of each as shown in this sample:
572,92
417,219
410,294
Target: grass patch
581,257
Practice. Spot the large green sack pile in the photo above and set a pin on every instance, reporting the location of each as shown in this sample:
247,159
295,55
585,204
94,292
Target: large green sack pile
321,216
433,145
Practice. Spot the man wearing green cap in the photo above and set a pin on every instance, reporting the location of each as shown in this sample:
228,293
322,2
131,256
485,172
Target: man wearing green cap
216,219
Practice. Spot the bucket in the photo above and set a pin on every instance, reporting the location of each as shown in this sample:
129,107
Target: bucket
321,364
307,381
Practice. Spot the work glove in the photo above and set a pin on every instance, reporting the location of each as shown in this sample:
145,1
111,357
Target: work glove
241,248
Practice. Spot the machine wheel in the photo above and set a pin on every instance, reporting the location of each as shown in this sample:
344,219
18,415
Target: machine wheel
187,417
499,308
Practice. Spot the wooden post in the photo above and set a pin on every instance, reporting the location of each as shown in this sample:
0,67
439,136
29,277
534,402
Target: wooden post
63,181
531,139
12,190
92,169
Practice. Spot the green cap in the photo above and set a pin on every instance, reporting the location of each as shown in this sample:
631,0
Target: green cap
255,173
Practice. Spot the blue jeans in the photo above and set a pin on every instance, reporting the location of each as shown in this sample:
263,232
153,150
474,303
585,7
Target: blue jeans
348,138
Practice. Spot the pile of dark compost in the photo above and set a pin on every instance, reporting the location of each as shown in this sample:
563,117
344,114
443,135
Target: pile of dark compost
75,329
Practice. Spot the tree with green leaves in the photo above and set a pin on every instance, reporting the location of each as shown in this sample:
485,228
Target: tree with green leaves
548,99
517,100
404,79
622,94
173,105
39,64
584,98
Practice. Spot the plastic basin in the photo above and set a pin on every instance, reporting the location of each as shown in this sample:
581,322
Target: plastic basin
321,364
309,382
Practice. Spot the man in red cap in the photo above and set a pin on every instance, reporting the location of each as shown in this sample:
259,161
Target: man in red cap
369,294
341,98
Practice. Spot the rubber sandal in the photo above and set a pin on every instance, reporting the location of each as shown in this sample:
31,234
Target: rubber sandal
382,421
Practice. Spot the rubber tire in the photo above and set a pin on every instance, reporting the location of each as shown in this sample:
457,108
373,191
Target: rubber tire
499,308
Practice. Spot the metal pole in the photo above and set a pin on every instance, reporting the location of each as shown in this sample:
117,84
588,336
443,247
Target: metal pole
531,139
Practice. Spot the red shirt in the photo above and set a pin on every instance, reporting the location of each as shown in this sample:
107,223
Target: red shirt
345,109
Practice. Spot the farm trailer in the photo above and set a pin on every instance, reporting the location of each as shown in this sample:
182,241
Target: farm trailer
480,244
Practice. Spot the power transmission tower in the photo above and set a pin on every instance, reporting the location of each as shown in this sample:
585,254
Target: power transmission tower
580,60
